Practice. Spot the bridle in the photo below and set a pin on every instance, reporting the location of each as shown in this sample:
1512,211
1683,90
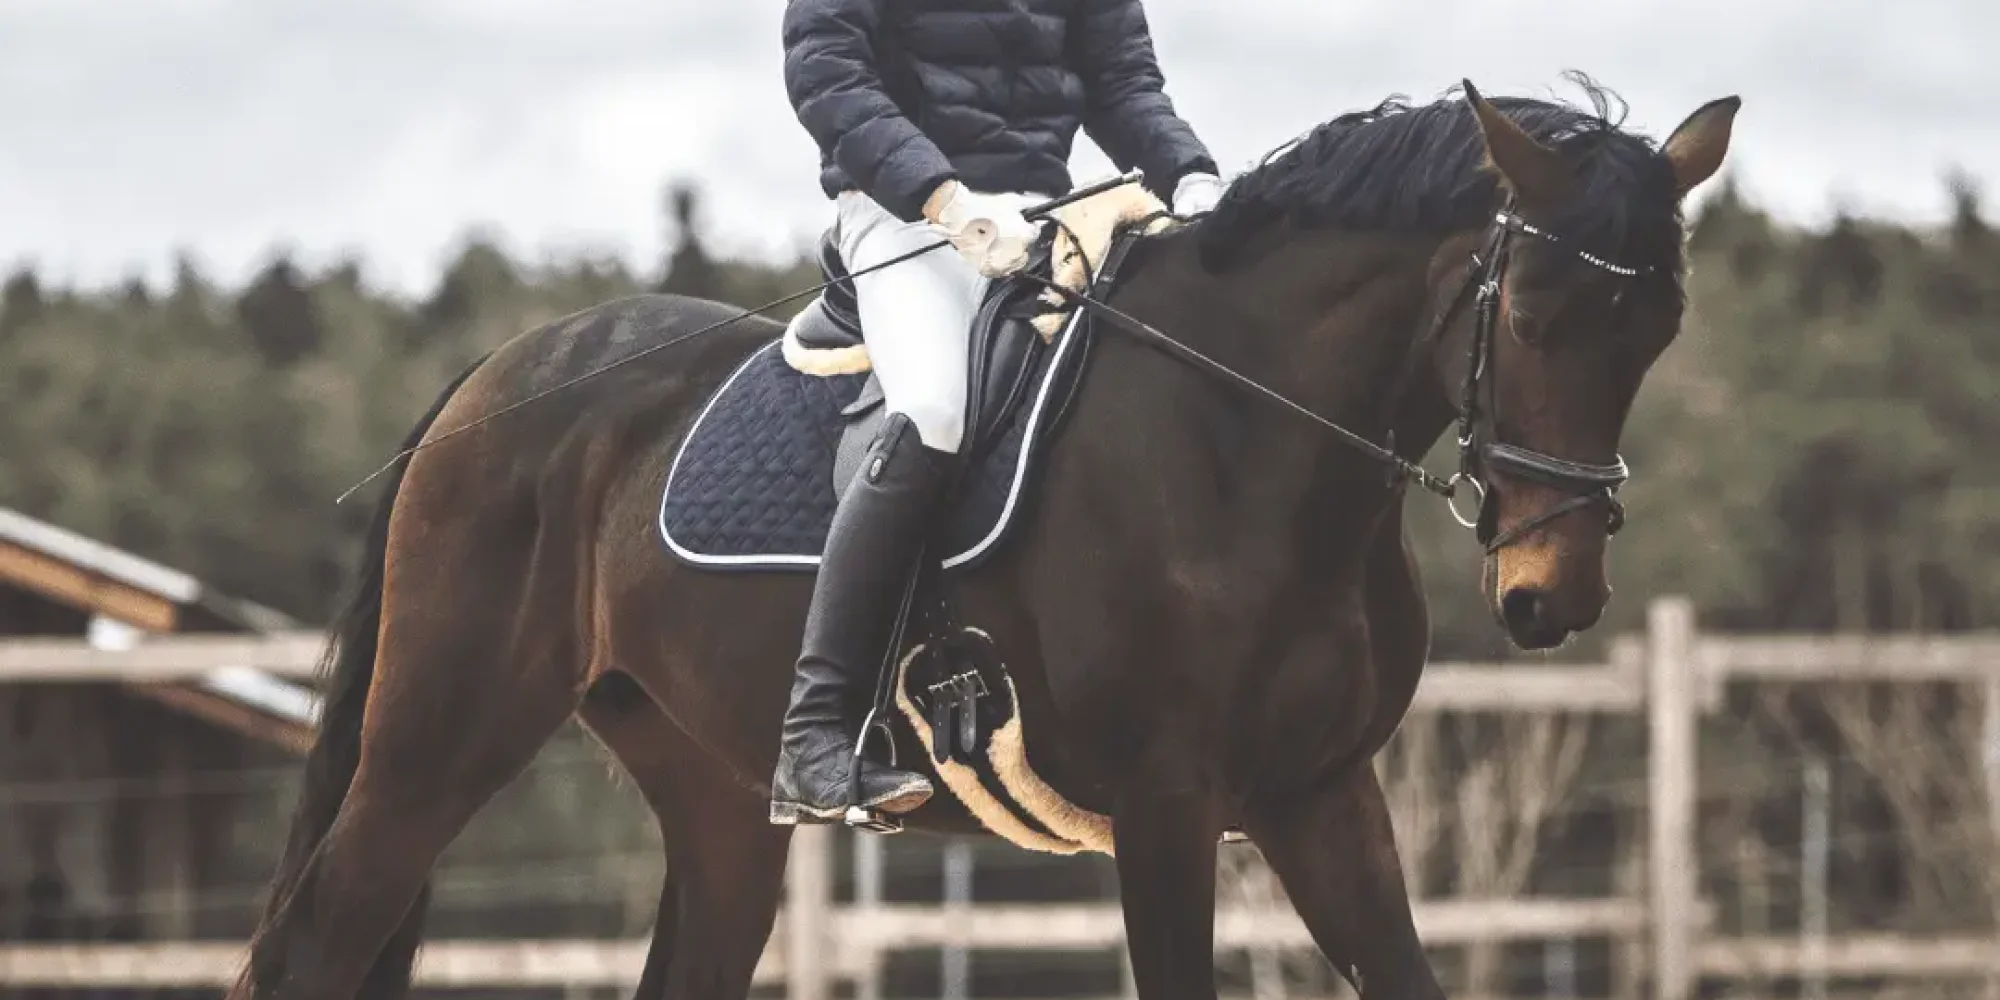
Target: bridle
1481,454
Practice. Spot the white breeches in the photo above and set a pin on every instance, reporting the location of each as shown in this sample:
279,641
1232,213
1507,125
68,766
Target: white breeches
916,316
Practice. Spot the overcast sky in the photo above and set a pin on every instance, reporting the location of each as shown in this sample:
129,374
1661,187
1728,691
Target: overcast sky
390,128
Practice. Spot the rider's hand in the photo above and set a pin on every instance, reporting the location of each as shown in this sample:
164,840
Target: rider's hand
987,229
1196,194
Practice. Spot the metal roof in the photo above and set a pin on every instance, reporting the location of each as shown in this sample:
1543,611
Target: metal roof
135,571
255,689
97,557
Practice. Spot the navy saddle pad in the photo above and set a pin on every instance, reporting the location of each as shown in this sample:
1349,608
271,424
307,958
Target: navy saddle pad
752,487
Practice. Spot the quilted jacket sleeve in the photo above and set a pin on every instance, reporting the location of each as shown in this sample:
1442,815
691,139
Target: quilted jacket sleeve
1128,114
836,89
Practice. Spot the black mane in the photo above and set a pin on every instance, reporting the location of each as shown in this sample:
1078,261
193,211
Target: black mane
1423,169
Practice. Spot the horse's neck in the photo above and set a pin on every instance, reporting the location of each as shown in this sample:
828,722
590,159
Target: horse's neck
1330,320
1325,319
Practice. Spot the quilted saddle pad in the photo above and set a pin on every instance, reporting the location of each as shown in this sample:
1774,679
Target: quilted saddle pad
752,486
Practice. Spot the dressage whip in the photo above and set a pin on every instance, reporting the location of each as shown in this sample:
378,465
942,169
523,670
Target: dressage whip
1034,212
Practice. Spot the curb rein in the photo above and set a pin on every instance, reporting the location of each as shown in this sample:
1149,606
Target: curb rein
1591,483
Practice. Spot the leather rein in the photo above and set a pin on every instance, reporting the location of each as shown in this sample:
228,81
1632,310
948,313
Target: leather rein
1480,452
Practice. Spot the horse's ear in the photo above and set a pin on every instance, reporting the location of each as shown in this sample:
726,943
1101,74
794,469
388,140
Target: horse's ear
1698,145
1536,172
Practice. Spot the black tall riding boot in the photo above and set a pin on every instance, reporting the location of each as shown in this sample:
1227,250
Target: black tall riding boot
870,552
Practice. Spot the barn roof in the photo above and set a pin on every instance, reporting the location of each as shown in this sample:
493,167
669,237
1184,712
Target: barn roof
125,597
91,574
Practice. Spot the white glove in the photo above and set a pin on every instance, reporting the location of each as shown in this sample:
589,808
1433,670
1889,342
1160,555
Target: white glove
1196,194
987,229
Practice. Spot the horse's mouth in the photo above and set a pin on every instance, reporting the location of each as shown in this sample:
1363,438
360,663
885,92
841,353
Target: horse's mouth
1539,637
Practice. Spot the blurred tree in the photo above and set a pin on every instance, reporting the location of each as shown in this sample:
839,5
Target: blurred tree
1841,270
277,313
480,273
1730,229
1969,229
688,269
20,301
135,292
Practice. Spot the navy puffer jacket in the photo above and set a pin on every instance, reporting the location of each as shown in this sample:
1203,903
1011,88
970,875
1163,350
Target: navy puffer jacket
902,95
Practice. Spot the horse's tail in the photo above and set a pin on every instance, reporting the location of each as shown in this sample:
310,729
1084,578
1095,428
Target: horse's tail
348,669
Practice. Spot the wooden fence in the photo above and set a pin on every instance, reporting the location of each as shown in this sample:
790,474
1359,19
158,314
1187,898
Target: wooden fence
1671,676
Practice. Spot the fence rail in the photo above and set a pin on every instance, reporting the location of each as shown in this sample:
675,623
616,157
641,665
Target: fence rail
1669,677
853,935
158,658
861,930
453,964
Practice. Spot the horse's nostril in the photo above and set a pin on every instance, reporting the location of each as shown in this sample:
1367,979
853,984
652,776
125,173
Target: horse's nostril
1521,608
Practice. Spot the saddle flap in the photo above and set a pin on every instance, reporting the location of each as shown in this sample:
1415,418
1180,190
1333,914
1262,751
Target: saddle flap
869,398
1003,348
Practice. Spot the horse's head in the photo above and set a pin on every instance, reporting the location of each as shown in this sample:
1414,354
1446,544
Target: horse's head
1571,293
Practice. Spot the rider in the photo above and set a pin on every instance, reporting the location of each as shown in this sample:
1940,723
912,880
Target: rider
939,117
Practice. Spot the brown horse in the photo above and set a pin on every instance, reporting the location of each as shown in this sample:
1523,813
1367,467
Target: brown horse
1208,604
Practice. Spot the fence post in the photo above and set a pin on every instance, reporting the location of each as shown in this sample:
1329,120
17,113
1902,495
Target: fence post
1629,965
955,959
867,894
1989,753
1815,863
809,914
1673,881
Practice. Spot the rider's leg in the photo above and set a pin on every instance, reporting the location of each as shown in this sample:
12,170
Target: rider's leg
915,318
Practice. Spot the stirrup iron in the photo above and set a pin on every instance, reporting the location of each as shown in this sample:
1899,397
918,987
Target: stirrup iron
858,817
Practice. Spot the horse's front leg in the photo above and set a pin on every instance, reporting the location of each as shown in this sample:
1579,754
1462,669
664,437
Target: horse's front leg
1334,851
1166,882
